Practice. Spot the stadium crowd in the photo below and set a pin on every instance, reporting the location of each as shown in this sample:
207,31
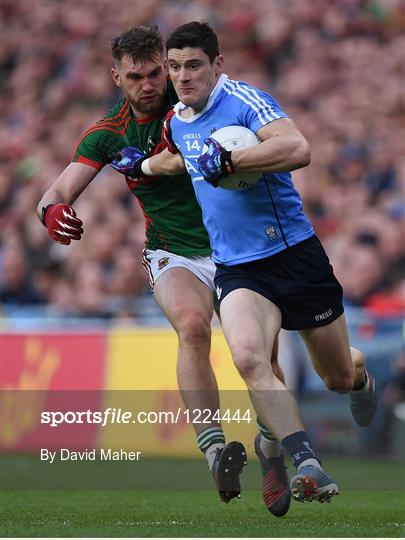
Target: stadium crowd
336,66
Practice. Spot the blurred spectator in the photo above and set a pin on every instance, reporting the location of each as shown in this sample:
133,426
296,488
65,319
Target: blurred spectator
360,272
17,288
337,67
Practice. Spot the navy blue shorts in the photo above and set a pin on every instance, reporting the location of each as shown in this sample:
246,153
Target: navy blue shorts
299,280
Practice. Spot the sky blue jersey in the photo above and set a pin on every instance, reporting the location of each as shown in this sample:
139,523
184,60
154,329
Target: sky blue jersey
244,225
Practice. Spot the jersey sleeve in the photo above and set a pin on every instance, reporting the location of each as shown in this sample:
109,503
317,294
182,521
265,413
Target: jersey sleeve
257,108
96,147
167,138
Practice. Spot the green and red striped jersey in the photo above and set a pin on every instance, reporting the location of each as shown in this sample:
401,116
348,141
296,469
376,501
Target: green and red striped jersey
173,219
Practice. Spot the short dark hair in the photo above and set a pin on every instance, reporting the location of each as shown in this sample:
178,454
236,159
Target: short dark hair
197,35
139,42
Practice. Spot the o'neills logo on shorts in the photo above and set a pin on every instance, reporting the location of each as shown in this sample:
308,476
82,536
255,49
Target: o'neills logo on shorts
323,316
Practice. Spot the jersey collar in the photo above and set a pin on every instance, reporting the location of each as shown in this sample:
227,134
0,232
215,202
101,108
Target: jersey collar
217,88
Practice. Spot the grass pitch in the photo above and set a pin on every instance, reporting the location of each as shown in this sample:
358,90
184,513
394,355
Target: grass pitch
195,510
200,514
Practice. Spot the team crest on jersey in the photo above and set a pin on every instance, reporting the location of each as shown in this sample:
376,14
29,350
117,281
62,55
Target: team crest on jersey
271,232
164,261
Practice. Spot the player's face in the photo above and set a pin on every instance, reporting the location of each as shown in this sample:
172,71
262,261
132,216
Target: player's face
143,83
193,75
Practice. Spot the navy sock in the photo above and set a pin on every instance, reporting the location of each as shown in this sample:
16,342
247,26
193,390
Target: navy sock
297,445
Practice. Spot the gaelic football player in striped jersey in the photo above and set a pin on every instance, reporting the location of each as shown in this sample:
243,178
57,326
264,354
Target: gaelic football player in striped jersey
177,251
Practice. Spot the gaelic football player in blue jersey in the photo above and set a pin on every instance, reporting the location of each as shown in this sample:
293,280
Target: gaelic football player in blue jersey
177,249
272,271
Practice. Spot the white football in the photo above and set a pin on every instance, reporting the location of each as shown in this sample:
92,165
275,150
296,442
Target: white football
232,138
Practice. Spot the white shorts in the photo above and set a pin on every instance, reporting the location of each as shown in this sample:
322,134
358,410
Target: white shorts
158,261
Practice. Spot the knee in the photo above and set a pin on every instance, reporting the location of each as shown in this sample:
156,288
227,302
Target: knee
193,328
340,382
247,361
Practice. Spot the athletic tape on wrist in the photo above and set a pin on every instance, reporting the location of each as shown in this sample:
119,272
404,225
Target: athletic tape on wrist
145,168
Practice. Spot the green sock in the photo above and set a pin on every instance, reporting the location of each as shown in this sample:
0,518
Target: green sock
210,436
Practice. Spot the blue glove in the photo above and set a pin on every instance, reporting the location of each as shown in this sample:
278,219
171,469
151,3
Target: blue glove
216,163
129,161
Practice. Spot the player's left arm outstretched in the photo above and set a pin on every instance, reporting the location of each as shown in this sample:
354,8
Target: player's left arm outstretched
283,149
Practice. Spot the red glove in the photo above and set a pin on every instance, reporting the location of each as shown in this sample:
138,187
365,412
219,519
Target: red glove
167,133
62,223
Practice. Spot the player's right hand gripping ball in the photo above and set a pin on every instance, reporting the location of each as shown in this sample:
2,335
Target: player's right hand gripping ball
215,163
62,224
129,162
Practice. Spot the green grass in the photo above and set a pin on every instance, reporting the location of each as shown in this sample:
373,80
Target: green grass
27,472
177,498
185,514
